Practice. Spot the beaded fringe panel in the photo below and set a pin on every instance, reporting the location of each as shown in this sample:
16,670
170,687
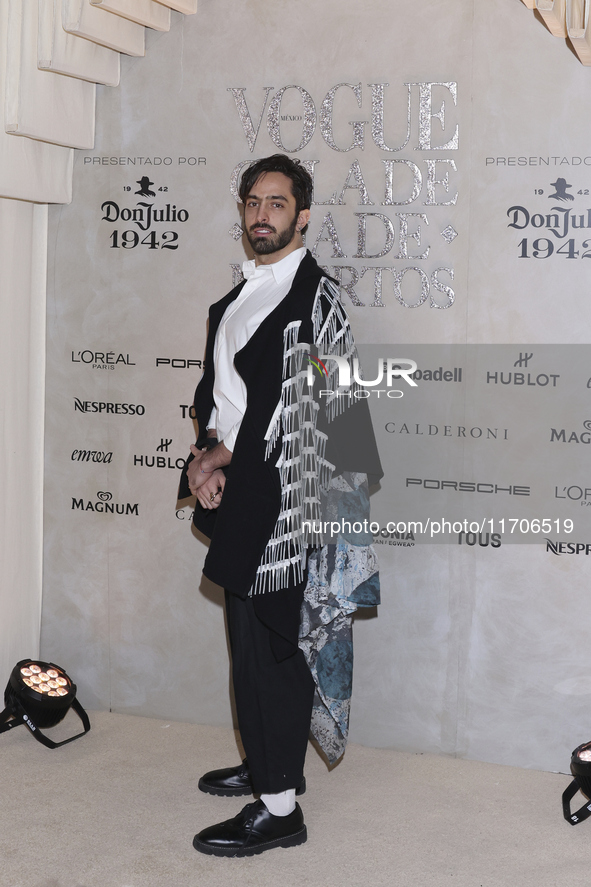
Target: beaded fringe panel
303,469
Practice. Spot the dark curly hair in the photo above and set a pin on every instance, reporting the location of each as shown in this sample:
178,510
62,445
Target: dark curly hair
302,186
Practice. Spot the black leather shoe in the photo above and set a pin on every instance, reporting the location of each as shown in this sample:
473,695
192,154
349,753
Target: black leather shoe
254,830
232,782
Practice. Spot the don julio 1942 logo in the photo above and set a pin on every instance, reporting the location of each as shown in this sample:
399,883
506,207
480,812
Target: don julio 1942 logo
560,223
146,219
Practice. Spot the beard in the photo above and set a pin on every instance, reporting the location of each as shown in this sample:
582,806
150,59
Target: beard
274,242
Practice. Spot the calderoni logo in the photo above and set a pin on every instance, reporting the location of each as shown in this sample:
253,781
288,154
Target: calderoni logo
91,456
101,360
559,548
115,409
564,436
105,505
461,486
462,431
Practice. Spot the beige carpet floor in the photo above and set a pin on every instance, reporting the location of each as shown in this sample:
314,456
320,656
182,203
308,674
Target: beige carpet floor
119,808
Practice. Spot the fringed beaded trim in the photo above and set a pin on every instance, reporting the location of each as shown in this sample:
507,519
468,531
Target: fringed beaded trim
304,472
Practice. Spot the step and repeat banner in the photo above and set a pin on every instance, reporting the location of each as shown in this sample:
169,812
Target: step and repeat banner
455,212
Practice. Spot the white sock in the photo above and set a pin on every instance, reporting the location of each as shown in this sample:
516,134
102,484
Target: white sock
280,804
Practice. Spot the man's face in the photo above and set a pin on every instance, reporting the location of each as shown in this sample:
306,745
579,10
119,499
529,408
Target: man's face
270,219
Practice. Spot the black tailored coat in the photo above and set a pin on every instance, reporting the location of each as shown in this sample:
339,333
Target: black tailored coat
241,526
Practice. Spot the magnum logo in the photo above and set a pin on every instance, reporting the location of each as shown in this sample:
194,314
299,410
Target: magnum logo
105,505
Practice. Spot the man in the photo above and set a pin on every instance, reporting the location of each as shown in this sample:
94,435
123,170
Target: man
258,473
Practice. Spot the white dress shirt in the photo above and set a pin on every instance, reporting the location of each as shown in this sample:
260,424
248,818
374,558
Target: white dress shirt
265,287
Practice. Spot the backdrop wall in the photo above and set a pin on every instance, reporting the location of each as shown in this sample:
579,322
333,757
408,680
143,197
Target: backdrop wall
436,134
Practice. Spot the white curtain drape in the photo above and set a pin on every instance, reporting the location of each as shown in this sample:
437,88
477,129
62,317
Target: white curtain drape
45,114
23,258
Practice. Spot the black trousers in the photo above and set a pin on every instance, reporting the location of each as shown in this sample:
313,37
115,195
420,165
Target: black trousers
273,687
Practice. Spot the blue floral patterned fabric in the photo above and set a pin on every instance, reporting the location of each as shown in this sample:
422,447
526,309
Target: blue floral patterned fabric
342,576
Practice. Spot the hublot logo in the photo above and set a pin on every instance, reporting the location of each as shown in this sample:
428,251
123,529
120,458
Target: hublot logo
160,461
531,380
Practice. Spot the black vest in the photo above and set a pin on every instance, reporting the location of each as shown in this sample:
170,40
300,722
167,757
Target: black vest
242,525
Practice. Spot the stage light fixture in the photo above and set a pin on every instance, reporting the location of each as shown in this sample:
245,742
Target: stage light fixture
39,695
580,766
